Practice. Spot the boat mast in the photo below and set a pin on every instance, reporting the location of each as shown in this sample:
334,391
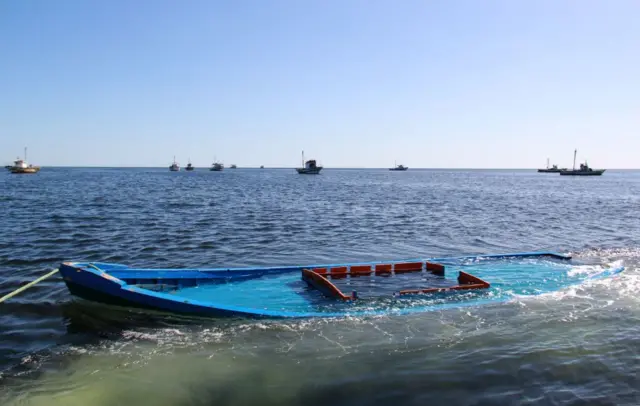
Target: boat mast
547,163
303,158
574,159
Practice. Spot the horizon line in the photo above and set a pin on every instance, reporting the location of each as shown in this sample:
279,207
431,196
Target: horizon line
329,168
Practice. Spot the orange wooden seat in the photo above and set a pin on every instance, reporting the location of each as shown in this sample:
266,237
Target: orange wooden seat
324,285
338,272
357,270
320,271
468,279
407,267
435,268
466,282
383,269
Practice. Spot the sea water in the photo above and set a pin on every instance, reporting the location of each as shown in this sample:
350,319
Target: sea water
577,344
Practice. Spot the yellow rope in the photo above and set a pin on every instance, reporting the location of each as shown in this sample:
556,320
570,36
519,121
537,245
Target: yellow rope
27,286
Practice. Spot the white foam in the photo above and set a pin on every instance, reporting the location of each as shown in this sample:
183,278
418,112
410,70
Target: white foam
588,270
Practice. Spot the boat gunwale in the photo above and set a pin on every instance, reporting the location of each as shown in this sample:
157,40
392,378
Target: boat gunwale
293,268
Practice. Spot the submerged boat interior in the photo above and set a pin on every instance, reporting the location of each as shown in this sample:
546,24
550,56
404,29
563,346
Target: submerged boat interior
366,281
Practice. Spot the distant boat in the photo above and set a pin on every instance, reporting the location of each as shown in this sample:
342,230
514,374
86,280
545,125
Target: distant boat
399,168
309,167
233,166
553,169
20,166
584,170
217,167
261,166
175,167
189,167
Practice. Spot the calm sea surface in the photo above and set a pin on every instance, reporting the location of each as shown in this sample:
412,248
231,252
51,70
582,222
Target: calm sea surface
576,346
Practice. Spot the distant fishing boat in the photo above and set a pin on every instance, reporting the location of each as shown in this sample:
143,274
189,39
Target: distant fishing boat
584,170
189,167
20,166
261,166
175,167
552,169
309,167
217,167
233,166
398,167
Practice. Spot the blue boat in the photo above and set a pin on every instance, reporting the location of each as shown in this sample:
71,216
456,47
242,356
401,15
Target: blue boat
331,290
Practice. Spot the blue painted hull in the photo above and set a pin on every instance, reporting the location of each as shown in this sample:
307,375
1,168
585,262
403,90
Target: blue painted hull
279,292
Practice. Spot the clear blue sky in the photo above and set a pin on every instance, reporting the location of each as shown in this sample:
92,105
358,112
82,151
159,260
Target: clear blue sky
450,83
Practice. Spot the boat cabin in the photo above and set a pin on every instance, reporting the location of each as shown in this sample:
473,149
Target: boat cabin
20,164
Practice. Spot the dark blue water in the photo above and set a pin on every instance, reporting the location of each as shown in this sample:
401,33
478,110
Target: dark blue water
576,346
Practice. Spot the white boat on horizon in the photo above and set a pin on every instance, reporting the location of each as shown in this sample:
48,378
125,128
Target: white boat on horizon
175,167
20,166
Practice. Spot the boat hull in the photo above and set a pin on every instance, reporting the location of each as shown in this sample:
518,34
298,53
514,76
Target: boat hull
94,291
583,173
24,170
306,171
279,292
